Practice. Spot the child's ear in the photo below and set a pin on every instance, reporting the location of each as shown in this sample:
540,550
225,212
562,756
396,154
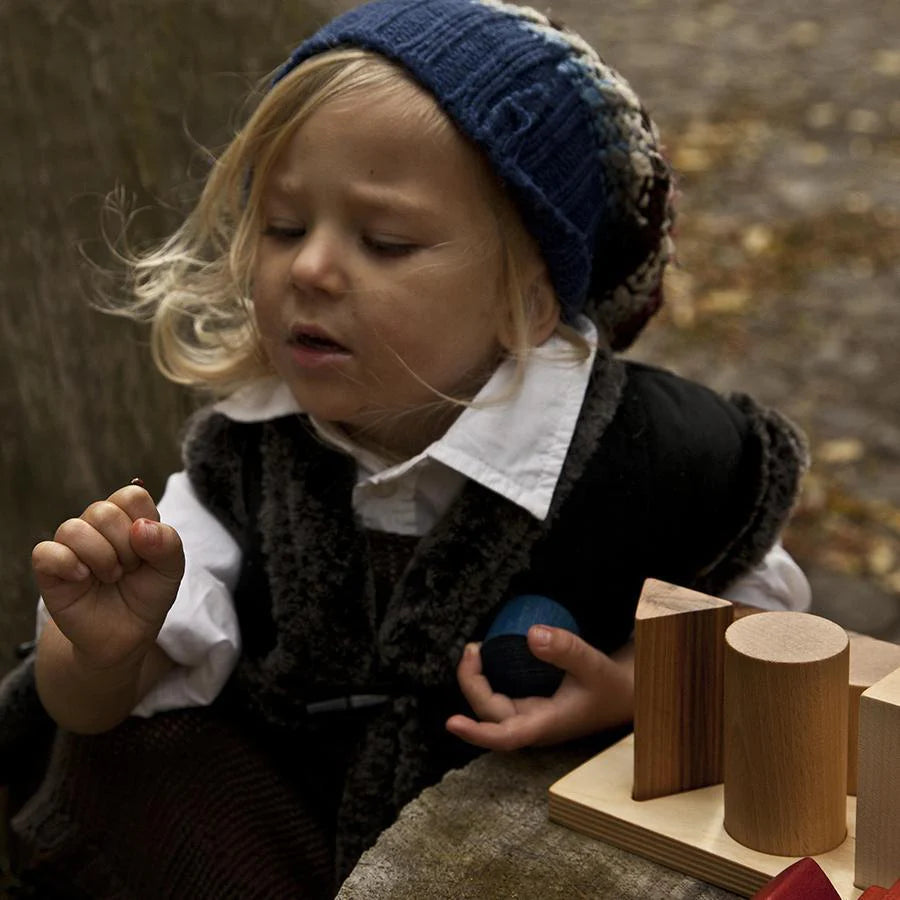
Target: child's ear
543,307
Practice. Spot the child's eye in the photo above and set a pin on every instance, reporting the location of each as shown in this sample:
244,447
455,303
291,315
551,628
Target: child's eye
385,247
284,232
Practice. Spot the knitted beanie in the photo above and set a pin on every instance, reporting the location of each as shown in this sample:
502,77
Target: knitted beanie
563,130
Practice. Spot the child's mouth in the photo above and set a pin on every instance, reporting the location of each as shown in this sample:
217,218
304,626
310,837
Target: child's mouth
313,348
316,341
313,342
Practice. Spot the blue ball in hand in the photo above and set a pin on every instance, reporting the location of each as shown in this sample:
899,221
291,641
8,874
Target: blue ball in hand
507,663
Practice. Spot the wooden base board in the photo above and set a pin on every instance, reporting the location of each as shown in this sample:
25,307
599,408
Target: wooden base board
681,831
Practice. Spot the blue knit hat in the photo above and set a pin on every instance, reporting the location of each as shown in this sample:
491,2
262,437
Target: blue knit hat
565,132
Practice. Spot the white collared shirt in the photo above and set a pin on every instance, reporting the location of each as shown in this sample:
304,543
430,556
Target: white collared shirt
515,448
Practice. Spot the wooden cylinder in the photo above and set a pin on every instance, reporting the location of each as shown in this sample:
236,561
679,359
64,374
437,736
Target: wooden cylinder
785,742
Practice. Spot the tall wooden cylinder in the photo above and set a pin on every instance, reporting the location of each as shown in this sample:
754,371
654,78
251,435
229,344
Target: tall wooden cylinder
785,741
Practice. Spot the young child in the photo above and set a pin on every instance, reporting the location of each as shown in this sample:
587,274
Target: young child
405,280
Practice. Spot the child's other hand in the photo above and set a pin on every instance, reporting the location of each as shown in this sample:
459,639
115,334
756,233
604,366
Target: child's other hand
596,693
109,577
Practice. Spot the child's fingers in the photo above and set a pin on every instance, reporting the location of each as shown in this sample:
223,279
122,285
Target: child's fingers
511,734
135,501
477,689
114,523
160,546
101,536
54,563
567,651
150,590
92,548
598,691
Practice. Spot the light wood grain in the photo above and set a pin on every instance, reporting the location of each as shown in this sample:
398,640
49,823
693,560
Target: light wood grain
785,741
682,831
878,847
870,661
679,659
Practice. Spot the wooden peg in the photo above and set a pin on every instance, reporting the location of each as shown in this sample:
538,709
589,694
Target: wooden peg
679,635
785,739
878,787
870,661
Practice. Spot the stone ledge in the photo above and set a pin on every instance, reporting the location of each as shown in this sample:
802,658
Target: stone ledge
483,832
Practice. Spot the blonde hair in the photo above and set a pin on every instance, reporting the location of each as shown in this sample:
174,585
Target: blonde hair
195,287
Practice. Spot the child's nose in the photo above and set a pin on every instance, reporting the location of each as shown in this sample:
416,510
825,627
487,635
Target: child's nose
318,264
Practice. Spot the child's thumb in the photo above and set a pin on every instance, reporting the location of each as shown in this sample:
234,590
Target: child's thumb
562,648
158,545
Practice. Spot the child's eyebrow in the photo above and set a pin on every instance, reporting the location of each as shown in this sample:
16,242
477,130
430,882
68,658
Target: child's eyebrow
394,201
376,199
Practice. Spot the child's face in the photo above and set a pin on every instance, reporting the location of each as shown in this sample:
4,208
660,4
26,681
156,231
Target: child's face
378,273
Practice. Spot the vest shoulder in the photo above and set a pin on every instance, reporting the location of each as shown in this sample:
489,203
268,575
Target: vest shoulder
722,467
683,412
676,419
671,396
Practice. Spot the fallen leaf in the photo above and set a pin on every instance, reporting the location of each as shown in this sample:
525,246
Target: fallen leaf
692,159
887,62
727,300
881,558
812,153
863,121
804,34
821,115
840,451
757,239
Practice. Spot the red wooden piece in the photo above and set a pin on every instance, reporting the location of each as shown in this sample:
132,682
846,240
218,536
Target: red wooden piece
873,893
879,893
803,880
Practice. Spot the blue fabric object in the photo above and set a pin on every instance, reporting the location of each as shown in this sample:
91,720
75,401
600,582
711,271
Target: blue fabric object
562,129
507,663
517,616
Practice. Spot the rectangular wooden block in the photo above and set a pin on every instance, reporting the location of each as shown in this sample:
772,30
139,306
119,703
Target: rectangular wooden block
679,677
878,787
870,661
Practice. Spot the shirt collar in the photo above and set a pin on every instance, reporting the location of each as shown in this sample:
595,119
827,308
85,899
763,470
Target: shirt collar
259,401
514,445
517,448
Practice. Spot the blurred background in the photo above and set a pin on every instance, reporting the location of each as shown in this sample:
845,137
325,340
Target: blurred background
782,118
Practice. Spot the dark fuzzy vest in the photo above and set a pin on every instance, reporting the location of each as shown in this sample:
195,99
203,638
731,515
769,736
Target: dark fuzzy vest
663,478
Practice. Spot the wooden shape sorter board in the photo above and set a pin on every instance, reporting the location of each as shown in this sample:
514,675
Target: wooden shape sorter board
682,831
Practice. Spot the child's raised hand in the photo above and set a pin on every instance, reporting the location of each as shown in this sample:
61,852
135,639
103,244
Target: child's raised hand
596,693
109,577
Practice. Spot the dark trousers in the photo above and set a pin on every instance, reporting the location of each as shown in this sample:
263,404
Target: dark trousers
182,805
